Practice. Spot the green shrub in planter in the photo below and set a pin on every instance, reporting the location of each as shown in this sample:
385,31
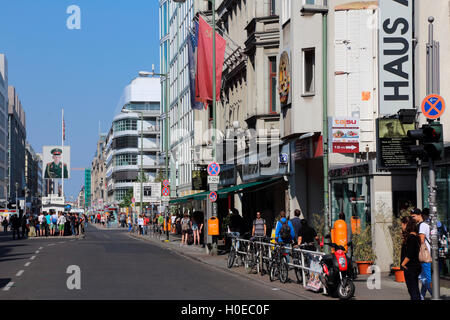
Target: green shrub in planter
362,246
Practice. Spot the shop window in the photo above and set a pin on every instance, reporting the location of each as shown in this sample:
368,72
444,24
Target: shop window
309,66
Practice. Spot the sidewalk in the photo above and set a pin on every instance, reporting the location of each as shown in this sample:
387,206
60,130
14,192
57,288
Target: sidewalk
390,290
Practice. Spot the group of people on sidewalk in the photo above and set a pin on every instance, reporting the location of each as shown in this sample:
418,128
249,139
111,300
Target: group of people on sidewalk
44,224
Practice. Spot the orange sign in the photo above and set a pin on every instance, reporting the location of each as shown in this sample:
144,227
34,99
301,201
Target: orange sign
213,226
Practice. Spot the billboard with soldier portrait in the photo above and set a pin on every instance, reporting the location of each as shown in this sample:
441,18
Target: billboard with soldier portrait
56,162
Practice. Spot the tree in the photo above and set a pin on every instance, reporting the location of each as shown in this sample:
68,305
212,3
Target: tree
126,201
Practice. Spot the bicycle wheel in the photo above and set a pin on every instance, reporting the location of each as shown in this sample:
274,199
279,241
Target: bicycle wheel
284,270
273,271
231,257
248,262
298,271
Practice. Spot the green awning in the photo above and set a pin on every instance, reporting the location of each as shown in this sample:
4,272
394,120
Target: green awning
223,193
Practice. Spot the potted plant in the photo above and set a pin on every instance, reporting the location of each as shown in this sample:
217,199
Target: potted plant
396,236
363,252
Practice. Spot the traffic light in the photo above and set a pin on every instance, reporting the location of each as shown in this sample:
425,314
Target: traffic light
431,142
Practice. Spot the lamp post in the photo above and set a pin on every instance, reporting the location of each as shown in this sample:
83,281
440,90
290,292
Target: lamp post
166,131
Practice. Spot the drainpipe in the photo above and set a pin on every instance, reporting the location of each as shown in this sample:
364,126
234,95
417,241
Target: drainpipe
325,128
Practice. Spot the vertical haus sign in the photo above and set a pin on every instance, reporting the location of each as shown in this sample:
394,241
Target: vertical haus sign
396,56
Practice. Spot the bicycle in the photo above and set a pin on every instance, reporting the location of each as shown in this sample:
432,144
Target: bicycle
297,260
278,265
254,257
234,252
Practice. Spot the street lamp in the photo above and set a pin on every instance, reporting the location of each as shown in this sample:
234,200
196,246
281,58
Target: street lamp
166,132
17,205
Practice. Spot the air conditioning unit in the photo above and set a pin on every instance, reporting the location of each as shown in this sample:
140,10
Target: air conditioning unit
314,6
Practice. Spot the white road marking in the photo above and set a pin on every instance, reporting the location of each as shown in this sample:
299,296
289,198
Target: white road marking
20,273
8,286
37,252
40,248
32,258
27,264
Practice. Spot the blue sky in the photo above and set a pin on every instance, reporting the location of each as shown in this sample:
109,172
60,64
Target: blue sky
83,71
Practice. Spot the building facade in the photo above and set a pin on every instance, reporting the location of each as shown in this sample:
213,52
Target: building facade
3,130
141,100
16,145
98,175
32,179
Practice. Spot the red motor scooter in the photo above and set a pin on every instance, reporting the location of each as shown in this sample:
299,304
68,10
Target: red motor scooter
338,274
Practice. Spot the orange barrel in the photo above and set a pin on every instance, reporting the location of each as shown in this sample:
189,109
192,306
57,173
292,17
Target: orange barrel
356,224
169,223
340,233
213,226
164,226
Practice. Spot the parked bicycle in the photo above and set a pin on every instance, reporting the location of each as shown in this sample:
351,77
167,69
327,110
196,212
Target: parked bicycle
297,260
254,259
279,268
237,251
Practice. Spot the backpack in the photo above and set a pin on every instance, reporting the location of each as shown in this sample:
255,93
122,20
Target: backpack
285,232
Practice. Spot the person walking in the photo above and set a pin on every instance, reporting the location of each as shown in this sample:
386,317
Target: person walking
424,234
48,220
185,226
41,224
25,226
141,225
195,229
410,263
296,223
5,224
54,223
259,226
129,222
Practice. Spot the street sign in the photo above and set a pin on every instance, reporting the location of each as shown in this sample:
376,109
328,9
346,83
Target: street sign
213,180
166,183
166,192
213,196
283,158
213,187
213,169
345,135
433,106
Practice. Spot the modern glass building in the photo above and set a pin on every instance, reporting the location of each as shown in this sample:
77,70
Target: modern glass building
123,141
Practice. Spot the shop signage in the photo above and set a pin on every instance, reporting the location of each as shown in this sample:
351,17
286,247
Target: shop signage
396,56
393,143
349,171
345,135
284,78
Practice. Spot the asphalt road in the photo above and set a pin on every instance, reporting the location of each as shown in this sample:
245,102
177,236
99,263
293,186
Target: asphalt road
114,266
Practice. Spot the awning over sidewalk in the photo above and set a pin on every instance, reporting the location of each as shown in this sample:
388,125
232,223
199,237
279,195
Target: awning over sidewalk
223,193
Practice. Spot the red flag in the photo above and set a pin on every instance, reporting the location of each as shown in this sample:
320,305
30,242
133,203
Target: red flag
203,77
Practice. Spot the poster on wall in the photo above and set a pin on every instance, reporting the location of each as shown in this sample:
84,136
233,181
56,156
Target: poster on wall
151,192
345,135
393,143
56,162
284,77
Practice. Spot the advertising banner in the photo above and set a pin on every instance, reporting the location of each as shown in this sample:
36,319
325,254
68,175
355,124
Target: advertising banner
396,56
345,134
56,161
151,193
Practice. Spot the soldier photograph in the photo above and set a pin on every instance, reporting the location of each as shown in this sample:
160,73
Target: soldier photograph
53,170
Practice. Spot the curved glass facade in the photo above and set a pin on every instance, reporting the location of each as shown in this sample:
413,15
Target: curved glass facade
125,124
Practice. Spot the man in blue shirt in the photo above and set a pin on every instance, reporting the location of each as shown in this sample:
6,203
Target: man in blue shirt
280,235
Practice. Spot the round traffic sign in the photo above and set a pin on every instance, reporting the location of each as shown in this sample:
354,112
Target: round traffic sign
433,106
213,196
213,169
165,191
166,183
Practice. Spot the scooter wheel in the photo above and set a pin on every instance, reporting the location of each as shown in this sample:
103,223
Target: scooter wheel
347,291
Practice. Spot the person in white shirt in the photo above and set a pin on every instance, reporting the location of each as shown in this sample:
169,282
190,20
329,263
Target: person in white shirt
424,234
61,223
41,226
141,224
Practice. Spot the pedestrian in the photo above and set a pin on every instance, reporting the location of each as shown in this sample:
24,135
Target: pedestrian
130,225
160,223
259,226
122,220
41,219
141,224
410,263
15,224
72,223
307,236
25,226
48,220
284,230
424,234
195,229
5,224
185,227
54,223
296,223
77,224
61,224
173,223
36,224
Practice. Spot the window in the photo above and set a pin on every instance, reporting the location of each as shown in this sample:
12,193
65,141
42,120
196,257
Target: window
272,9
126,124
125,160
309,64
272,84
285,11
125,142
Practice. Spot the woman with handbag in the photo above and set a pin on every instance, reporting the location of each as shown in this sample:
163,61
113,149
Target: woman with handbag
410,263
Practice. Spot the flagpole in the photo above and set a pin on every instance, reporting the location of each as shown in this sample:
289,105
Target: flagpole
62,154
